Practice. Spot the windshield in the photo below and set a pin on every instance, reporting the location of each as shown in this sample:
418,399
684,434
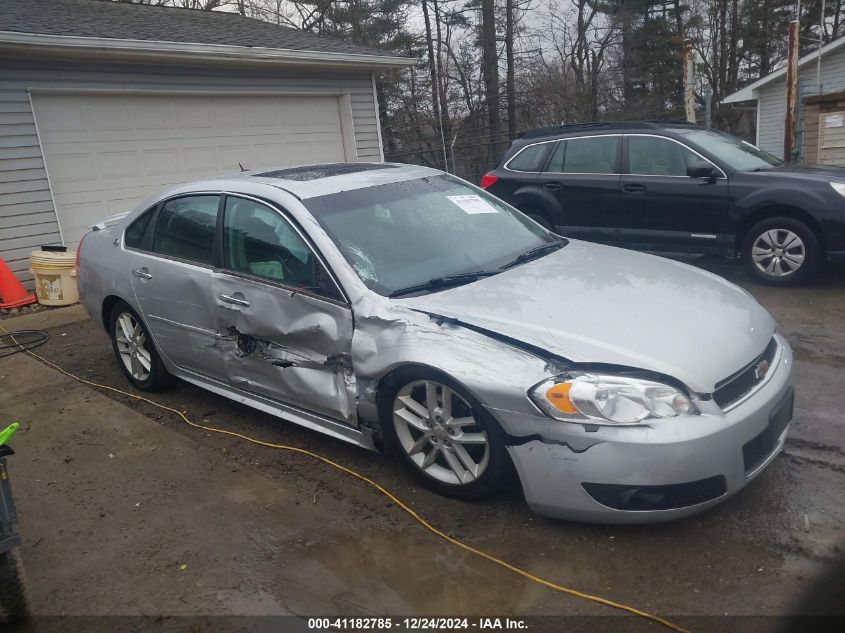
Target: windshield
407,233
734,152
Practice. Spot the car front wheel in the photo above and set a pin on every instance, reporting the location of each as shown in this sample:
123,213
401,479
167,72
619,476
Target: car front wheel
444,437
135,352
781,252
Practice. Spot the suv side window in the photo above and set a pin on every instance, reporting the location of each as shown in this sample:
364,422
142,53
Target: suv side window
185,228
258,241
530,159
655,156
592,155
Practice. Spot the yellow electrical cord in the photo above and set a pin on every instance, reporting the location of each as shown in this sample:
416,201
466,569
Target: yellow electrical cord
428,526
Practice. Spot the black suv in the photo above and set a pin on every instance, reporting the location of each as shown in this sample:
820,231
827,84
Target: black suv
679,188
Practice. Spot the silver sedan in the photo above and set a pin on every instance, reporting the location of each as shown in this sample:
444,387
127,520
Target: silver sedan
399,307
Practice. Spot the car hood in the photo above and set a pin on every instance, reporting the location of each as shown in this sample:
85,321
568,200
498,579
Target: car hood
599,304
805,172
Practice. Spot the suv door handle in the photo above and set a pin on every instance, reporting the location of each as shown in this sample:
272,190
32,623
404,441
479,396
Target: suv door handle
238,301
553,186
634,187
142,273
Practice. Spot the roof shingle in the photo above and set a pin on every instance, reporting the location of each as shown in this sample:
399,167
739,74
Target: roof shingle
127,21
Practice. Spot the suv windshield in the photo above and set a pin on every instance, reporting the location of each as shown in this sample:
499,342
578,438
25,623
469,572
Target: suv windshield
735,153
405,234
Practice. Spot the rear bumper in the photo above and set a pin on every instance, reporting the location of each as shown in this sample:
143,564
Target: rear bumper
683,465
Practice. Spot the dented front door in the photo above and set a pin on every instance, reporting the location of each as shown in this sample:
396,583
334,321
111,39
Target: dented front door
285,332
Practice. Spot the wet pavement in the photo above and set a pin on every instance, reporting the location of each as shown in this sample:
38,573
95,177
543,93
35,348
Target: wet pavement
267,532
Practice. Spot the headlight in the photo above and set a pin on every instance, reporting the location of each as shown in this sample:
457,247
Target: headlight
838,187
608,399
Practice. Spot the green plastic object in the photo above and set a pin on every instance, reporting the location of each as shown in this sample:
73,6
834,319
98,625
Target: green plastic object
7,433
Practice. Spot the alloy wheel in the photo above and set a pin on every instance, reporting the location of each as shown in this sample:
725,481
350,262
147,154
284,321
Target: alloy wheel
438,431
778,252
131,344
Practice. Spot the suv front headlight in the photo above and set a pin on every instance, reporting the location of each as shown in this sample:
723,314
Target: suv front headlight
838,187
608,399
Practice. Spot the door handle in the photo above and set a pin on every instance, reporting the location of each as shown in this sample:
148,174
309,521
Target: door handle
142,273
234,300
634,187
553,186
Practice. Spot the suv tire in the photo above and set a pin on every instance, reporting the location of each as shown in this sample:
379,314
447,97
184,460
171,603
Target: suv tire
781,251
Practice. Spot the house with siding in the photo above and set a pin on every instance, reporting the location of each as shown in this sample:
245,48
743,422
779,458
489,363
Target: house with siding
769,93
103,104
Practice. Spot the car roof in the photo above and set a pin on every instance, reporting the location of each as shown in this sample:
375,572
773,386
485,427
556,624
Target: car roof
602,127
310,181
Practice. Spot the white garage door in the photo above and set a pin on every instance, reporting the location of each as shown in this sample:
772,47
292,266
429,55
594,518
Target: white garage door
105,153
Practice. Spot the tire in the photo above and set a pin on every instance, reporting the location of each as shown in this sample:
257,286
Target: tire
14,598
404,398
133,347
781,251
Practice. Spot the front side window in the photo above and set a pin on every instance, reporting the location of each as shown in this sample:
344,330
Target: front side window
734,152
401,234
258,241
655,156
185,228
593,155
530,158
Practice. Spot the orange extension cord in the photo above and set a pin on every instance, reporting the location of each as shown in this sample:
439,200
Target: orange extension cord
428,526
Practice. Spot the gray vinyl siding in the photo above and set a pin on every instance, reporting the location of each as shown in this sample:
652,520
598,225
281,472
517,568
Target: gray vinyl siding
27,216
772,97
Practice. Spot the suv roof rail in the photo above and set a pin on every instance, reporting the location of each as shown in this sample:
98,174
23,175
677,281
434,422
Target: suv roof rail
571,127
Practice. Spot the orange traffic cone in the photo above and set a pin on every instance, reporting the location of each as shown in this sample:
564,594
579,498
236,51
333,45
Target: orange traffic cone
12,293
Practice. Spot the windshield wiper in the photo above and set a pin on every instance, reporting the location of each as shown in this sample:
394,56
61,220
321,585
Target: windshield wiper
535,253
438,283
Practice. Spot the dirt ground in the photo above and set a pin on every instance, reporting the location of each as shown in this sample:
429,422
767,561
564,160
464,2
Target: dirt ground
268,532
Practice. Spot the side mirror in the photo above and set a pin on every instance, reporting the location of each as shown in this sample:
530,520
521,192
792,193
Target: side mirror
702,169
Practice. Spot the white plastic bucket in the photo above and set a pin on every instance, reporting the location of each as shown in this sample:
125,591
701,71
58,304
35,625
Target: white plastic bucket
55,277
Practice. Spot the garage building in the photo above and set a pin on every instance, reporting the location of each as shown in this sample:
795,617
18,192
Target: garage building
103,104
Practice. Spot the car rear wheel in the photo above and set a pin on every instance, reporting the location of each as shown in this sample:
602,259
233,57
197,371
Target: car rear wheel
443,436
135,352
781,252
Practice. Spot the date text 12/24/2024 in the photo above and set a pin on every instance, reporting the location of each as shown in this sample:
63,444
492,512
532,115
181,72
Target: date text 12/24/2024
416,624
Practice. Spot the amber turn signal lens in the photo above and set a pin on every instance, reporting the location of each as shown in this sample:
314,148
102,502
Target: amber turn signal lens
559,397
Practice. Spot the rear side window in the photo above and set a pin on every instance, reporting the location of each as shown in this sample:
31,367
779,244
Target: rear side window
185,228
530,158
137,231
594,155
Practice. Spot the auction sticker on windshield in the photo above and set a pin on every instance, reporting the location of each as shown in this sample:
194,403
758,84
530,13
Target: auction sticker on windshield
473,204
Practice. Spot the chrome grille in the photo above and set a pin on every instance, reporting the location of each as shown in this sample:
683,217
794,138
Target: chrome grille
734,388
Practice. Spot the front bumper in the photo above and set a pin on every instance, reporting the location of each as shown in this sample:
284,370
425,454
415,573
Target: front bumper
681,461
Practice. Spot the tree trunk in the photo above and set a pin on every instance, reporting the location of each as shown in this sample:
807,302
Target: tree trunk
510,84
490,67
441,86
432,67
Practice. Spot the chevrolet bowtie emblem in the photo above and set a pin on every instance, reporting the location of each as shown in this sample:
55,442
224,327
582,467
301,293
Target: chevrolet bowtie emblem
761,369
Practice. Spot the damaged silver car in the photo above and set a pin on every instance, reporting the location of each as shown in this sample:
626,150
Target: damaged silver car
397,306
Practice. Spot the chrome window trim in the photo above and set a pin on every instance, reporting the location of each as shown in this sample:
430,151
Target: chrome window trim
346,301
587,173
513,158
685,146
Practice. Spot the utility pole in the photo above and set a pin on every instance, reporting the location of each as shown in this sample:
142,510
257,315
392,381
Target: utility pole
689,82
819,60
791,93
